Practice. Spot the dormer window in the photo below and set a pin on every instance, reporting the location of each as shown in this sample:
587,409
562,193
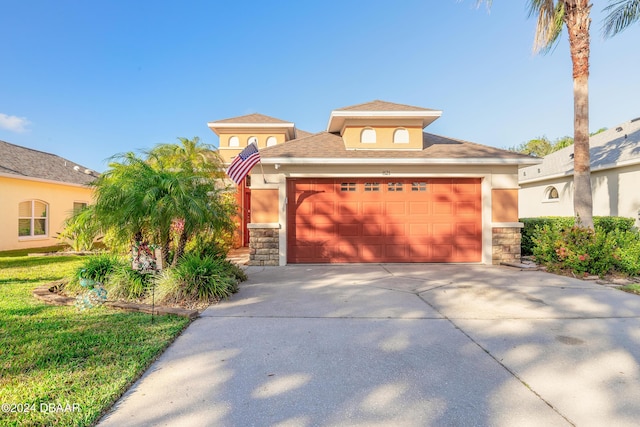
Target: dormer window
368,136
401,136
271,141
234,141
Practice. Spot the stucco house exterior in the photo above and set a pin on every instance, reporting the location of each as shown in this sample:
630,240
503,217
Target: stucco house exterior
38,191
547,189
374,187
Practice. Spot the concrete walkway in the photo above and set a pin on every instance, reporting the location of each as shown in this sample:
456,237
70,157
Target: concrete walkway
399,345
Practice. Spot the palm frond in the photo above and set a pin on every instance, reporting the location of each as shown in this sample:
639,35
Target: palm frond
622,13
550,20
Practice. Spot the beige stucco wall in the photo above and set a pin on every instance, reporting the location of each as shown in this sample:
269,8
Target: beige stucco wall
384,137
227,153
59,197
615,193
493,177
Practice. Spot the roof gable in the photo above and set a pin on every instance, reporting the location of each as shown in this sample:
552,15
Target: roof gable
377,111
22,162
254,118
378,105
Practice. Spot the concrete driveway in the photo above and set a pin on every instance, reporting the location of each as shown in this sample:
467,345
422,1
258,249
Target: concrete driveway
399,345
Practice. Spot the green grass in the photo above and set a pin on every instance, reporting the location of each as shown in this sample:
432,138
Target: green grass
632,289
60,356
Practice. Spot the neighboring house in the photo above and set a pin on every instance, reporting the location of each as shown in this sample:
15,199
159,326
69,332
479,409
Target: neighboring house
374,187
547,189
38,191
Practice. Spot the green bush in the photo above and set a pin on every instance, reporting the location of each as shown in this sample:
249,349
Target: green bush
605,223
584,251
98,267
201,279
126,283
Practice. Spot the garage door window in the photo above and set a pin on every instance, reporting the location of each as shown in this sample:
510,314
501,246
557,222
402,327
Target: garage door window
395,186
348,186
418,186
371,186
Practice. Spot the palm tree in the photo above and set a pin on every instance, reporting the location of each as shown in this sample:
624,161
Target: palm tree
144,198
552,15
622,13
202,205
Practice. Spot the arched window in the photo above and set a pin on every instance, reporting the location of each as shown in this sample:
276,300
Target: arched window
271,141
234,141
401,136
33,218
551,194
368,136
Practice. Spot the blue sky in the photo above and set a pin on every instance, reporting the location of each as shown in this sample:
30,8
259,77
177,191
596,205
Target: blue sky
89,79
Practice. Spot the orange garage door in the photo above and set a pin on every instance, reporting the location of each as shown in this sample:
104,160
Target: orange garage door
384,220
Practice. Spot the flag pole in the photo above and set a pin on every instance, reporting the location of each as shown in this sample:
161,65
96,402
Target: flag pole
262,169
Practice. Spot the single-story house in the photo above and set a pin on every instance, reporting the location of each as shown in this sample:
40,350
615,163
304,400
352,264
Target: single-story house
38,191
546,189
374,187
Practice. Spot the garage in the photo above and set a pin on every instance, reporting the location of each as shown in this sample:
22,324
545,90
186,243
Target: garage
394,220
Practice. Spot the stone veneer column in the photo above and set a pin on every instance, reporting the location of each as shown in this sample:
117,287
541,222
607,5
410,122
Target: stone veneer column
506,245
264,246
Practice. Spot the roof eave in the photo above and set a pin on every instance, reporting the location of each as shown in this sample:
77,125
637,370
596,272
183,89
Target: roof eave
399,161
338,117
289,127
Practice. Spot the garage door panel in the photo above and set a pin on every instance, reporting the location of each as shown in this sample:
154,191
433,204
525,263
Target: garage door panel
384,220
395,230
419,230
466,208
349,230
372,208
418,208
369,229
348,208
442,208
324,208
395,208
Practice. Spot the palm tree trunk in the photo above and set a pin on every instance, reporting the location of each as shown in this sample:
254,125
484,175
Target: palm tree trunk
182,243
578,21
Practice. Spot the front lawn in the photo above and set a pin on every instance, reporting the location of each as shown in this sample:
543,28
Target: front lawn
61,366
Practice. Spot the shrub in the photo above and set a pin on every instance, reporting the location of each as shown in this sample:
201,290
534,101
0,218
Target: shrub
198,279
582,250
605,223
98,267
126,283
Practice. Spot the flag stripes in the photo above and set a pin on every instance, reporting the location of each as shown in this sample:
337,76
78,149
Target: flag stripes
243,163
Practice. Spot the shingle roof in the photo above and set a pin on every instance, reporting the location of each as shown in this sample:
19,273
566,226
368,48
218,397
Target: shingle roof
252,118
378,105
613,147
28,163
326,145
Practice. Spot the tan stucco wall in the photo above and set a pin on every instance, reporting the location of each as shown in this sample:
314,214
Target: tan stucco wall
59,197
384,137
264,205
504,205
227,153
615,193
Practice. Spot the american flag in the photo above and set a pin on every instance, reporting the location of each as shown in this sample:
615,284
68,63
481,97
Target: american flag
242,164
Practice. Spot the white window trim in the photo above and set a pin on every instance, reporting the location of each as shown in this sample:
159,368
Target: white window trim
547,191
234,141
368,131
404,131
32,219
